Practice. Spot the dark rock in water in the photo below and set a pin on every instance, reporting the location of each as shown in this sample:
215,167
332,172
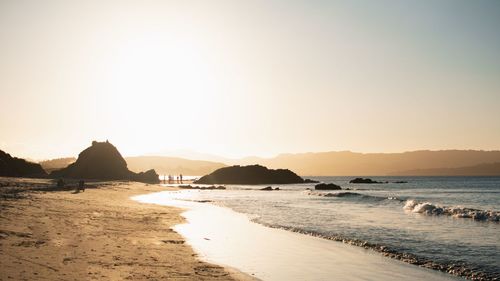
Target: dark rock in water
327,186
347,194
220,187
310,181
361,180
17,167
400,182
254,174
270,188
103,161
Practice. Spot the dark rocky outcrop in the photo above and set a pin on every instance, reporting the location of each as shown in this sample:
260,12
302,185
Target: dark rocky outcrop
254,174
327,186
269,188
361,180
17,167
103,161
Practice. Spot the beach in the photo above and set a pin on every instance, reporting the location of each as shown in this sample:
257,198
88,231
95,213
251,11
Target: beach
413,228
225,237
99,234
135,231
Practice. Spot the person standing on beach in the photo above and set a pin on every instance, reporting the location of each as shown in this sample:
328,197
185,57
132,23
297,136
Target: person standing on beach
81,186
180,176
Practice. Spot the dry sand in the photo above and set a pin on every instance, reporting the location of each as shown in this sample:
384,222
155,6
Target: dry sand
99,234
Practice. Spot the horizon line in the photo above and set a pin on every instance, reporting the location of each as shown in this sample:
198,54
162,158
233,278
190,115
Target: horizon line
269,157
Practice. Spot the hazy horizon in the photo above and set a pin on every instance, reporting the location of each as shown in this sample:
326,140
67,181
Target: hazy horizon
202,156
253,78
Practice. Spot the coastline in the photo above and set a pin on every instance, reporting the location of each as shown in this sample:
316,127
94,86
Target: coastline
94,235
228,238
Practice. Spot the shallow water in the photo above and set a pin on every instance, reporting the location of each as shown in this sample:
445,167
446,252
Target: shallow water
374,215
225,237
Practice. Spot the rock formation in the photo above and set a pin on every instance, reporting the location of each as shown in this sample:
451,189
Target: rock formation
327,186
269,188
253,174
103,161
361,180
17,167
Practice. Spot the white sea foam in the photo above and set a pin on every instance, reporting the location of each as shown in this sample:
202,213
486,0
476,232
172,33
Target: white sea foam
428,208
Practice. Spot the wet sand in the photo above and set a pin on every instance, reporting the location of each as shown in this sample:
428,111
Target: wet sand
99,234
225,237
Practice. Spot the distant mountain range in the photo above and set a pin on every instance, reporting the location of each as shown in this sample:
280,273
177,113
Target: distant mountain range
344,163
56,164
492,169
161,164
172,165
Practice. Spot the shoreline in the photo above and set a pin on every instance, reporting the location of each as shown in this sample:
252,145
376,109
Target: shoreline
277,254
94,235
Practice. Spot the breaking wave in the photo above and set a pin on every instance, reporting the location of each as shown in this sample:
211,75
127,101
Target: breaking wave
427,208
414,206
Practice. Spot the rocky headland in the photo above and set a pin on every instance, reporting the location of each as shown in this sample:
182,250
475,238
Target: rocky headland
17,167
104,162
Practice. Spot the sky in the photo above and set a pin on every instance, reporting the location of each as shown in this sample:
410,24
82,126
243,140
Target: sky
241,78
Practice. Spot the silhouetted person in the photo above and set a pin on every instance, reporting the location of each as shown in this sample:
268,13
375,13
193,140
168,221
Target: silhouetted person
60,183
81,186
180,176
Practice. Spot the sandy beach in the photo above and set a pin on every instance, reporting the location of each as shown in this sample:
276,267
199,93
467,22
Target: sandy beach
99,234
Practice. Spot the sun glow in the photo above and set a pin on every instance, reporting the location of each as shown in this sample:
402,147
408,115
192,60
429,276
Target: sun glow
156,84
240,78
155,74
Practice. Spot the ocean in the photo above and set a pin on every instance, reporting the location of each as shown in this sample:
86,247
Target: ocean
450,224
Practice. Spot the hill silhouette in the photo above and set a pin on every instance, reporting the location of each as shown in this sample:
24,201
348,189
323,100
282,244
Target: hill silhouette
415,163
103,161
17,167
346,163
172,165
56,164
253,174
489,169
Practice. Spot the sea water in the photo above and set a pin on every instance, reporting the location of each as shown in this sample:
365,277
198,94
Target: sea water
445,223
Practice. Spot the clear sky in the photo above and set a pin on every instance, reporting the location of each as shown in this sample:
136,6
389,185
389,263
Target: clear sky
239,78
